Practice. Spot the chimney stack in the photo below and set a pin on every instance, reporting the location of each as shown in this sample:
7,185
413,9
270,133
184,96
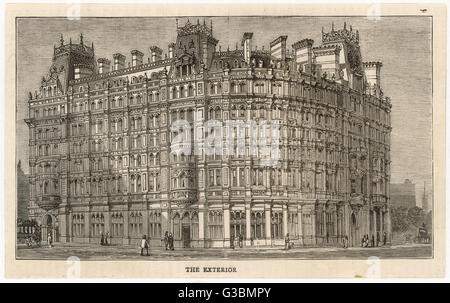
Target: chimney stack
278,48
303,54
103,65
171,50
119,61
372,71
156,53
136,57
247,44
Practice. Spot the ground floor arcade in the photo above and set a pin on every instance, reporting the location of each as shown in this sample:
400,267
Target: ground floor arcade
258,224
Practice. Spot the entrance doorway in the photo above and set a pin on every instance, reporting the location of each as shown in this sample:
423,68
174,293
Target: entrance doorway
48,227
186,235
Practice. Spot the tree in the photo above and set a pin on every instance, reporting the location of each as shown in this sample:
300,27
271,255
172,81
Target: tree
399,220
416,216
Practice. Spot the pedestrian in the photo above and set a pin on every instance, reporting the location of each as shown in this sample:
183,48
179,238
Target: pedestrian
49,240
232,241
102,239
373,241
345,241
170,238
166,240
286,242
363,241
378,239
106,238
144,245
384,238
241,240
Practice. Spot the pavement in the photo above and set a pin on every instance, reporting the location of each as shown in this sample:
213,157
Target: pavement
62,251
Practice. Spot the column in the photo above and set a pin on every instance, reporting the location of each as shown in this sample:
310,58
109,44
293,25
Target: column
325,225
375,225
108,224
335,226
126,238
165,221
285,220
300,224
346,218
247,225
63,228
368,223
226,222
313,226
268,231
70,238
201,227
388,226
145,230
87,223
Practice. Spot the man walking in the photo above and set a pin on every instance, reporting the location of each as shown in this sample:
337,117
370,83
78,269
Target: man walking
106,238
286,242
232,241
49,240
171,242
144,245
166,240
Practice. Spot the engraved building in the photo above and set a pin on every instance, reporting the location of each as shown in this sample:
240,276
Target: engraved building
100,143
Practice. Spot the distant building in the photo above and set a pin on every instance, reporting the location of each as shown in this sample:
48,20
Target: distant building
424,199
403,194
23,193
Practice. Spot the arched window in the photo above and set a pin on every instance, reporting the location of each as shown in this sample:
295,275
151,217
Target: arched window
174,92
277,225
217,113
257,225
182,92
215,225
233,87
242,87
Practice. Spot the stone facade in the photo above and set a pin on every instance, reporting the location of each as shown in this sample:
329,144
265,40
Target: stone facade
100,143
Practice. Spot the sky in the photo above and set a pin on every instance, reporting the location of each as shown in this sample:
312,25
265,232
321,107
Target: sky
402,44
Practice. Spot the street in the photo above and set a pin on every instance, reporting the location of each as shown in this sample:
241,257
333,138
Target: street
62,251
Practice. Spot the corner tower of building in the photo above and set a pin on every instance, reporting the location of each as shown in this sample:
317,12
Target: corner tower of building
71,61
194,48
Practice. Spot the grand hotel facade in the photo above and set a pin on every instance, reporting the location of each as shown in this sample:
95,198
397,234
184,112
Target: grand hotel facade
100,143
